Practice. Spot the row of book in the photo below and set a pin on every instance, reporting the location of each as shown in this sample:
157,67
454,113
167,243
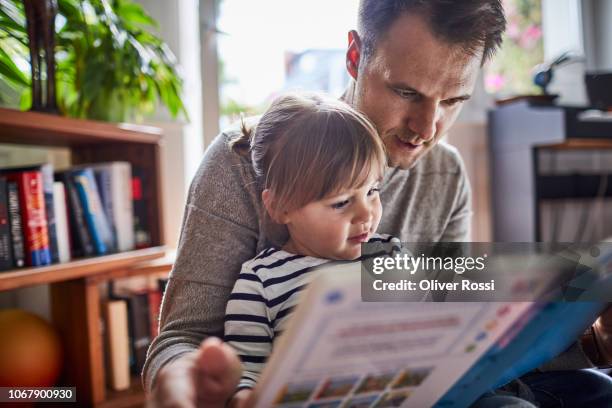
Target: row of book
131,321
48,217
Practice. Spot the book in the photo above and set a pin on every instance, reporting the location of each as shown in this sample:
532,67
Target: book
154,301
115,185
117,342
97,223
80,238
33,213
47,179
61,221
142,233
17,244
136,297
6,256
341,351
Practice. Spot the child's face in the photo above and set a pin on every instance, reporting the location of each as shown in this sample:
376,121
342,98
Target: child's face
335,227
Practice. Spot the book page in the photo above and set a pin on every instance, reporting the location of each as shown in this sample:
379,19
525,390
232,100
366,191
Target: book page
341,352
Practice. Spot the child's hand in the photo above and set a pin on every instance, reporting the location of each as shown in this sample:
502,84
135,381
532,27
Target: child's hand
241,399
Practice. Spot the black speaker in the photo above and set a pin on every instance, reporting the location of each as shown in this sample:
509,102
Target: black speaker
599,89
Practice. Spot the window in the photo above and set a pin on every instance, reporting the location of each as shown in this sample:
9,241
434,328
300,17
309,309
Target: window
511,69
271,46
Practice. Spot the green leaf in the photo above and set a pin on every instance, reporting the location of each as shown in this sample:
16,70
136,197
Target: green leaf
10,71
133,15
26,99
13,11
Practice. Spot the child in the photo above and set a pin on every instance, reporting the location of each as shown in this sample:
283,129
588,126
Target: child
320,164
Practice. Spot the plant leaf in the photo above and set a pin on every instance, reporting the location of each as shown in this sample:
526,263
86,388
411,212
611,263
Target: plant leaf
10,71
133,15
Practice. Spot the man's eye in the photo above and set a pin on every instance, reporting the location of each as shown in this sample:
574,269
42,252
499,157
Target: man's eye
340,205
453,102
373,190
406,94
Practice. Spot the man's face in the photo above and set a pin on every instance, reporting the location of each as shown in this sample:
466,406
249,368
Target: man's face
413,87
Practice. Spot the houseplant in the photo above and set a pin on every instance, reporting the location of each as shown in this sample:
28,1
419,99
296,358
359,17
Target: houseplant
110,65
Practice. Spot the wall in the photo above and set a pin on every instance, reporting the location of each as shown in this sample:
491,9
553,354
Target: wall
582,26
183,140
597,17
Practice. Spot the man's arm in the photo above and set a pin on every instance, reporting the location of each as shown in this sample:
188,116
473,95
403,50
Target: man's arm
220,231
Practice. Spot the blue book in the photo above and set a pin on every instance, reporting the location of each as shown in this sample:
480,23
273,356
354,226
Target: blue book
95,217
546,332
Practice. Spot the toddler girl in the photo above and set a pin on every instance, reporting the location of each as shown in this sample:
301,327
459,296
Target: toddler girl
320,164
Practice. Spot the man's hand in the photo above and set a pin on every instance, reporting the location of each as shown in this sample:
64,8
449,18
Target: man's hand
603,336
204,378
242,399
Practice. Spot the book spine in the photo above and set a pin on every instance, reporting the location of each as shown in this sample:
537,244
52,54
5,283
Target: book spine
161,284
123,205
118,344
61,224
141,329
47,177
17,243
94,214
6,257
81,245
142,234
155,299
33,217
104,181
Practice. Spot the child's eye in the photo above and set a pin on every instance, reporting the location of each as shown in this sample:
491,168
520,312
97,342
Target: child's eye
373,190
340,205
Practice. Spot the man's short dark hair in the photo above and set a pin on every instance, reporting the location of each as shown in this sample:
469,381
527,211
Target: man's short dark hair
472,24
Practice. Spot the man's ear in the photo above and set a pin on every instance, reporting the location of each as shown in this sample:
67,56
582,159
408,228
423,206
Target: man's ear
353,53
277,215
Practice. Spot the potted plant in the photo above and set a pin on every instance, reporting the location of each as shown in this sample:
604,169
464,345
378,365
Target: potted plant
109,64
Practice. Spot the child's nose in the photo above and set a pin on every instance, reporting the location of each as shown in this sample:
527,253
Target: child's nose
363,213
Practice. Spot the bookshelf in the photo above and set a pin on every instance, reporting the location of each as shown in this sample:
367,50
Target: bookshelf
75,297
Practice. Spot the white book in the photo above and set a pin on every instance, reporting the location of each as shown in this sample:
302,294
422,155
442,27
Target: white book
340,351
61,221
118,346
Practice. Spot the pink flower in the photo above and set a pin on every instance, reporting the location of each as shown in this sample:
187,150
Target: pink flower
495,82
513,30
530,37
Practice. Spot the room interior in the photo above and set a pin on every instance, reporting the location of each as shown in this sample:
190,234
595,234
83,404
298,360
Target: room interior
536,140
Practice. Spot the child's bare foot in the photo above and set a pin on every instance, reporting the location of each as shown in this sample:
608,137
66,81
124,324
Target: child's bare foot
219,372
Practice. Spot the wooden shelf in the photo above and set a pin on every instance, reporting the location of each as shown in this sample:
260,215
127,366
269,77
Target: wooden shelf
74,287
80,268
577,144
157,266
43,129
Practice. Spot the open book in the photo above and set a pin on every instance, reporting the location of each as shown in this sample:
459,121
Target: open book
339,351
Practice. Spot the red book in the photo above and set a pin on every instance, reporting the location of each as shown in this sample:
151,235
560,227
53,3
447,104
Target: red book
33,216
155,299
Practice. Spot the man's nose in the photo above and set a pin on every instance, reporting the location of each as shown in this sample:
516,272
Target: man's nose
423,121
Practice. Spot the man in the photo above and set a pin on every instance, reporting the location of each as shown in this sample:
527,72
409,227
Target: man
414,63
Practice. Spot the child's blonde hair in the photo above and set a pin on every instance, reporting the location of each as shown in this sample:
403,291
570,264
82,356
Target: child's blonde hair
308,146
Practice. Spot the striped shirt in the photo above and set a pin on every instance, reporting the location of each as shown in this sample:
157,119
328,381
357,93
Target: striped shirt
263,298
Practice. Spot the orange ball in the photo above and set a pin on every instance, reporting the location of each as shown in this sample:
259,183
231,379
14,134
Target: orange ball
30,350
